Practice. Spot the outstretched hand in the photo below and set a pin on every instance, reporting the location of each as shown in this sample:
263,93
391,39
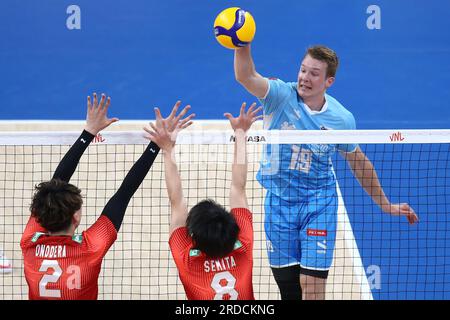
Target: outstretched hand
402,209
164,132
245,119
97,119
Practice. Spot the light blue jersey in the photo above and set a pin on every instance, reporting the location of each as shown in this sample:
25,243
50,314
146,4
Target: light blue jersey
301,202
291,171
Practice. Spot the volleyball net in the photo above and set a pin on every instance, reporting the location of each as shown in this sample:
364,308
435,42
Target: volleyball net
376,256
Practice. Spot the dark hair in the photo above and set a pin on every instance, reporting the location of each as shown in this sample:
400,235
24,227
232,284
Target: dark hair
54,204
213,229
326,55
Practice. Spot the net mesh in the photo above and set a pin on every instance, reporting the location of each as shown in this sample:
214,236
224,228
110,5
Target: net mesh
376,255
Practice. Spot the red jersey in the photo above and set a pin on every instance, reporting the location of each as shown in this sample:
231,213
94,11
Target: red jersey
224,278
64,267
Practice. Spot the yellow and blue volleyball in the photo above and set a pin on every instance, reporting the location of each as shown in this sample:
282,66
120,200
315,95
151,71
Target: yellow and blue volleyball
234,28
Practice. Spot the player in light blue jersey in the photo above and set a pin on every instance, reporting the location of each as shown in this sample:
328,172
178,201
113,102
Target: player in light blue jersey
301,201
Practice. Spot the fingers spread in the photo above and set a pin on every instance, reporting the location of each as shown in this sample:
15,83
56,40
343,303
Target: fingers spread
257,110
153,127
173,123
184,126
183,112
257,118
174,110
158,114
102,101
108,102
242,111
183,121
250,110
95,100
148,130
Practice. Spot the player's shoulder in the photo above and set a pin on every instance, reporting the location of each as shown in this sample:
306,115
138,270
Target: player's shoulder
102,225
179,232
180,239
281,84
243,216
241,212
102,232
333,102
338,108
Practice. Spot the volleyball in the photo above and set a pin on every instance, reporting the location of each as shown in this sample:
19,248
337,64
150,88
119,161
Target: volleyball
234,28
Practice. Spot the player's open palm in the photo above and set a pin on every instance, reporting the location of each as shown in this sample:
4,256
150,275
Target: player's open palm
403,209
164,131
97,118
245,119
174,123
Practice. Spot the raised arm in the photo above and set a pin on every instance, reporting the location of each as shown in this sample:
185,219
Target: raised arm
240,125
366,175
245,73
96,121
116,207
164,133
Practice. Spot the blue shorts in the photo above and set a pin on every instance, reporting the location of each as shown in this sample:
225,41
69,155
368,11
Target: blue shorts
301,232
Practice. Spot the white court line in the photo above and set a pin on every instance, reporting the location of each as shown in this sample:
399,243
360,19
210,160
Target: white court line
350,244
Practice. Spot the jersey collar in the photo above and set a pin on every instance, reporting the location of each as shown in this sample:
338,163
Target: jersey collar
76,237
308,109
196,252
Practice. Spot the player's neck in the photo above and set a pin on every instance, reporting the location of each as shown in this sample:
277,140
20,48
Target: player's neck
60,234
315,103
69,232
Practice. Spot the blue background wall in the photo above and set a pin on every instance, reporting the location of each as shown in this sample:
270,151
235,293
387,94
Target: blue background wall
147,53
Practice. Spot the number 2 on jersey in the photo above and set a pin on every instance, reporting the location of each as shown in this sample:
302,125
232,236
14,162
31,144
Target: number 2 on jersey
49,278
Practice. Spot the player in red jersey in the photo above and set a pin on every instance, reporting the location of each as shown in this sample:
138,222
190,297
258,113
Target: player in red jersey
212,248
58,263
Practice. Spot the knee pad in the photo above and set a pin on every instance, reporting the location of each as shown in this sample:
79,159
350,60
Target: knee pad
288,281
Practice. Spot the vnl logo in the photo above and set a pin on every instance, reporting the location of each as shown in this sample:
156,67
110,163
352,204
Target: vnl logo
99,138
396,137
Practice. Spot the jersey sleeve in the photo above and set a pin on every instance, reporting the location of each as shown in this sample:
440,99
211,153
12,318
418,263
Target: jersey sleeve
244,220
69,162
349,124
31,228
100,237
278,91
180,242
